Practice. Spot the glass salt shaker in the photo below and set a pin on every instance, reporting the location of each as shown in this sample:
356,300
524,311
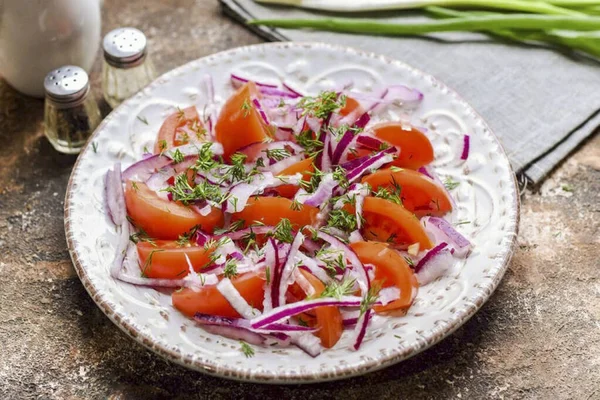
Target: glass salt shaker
126,68
70,114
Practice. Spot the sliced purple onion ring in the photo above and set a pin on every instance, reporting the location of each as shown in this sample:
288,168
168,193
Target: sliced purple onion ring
115,197
289,310
466,145
443,231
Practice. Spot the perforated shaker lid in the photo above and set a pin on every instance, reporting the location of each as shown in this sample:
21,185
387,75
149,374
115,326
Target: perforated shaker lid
66,84
124,47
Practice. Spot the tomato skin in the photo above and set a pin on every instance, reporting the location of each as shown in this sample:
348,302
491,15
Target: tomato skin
304,167
351,105
168,258
415,148
163,219
328,319
208,299
385,219
166,134
239,123
390,270
420,194
271,210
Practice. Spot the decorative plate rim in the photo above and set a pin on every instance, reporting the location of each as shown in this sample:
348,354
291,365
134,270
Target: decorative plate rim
231,372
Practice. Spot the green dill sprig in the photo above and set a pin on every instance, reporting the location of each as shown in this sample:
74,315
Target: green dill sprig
185,238
246,107
206,161
246,349
370,299
313,182
277,154
230,270
182,191
234,226
450,183
283,231
312,146
339,289
322,105
343,220
339,175
177,156
148,261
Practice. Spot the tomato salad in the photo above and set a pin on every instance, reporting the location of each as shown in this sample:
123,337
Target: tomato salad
286,219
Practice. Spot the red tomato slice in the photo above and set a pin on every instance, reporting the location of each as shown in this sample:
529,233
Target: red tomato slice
208,299
271,210
305,167
390,270
166,259
329,319
386,221
419,194
415,148
350,106
164,219
179,128
239,123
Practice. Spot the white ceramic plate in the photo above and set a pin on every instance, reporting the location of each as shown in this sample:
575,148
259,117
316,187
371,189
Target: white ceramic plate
487,197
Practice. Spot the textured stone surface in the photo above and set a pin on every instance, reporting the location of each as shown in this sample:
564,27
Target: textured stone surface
537,337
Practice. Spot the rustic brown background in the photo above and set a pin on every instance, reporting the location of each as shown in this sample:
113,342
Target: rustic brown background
538,337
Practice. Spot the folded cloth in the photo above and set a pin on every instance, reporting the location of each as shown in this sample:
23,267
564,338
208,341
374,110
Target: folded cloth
540,102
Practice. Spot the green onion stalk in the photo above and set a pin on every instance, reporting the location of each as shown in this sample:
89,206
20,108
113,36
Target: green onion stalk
574,24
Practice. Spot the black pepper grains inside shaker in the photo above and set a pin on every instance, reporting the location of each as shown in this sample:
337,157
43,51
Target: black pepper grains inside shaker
70,114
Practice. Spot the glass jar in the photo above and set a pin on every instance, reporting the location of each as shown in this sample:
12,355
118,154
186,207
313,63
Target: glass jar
126,68
70,114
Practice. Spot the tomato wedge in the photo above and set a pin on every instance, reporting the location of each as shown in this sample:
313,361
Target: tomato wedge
208,299
329,320
390,270
386,221
415,147
164,219
179,128
271,210
166,258
351,105
239,123
420,194
304,167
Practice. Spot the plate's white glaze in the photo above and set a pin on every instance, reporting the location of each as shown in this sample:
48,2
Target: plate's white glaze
487,197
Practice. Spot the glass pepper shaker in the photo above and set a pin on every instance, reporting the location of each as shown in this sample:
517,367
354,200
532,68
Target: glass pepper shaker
70,114
126,68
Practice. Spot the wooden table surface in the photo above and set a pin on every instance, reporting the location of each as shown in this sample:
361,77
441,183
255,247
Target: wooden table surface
538,337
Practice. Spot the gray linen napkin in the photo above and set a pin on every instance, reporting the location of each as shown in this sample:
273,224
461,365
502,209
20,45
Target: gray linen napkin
539,102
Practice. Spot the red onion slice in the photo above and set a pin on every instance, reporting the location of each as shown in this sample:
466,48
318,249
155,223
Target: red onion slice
442,230
238,81
434,264
115,197
466,145
143,169
121,250
291,90
236,300
289,310
361,328
261,111
288,267
158,180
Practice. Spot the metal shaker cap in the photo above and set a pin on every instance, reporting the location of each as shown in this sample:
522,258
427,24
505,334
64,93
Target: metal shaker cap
66,84
124,47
